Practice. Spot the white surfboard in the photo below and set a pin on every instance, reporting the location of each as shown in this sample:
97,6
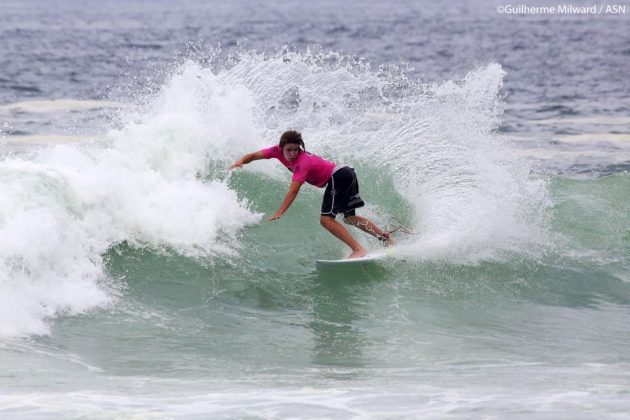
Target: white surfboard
370,258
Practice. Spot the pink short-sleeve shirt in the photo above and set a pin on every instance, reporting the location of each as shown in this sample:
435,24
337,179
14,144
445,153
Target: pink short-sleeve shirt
306,168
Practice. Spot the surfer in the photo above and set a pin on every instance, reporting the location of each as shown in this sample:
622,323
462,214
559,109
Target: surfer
341,194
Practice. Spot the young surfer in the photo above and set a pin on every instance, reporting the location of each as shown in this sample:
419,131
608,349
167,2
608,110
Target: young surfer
341,194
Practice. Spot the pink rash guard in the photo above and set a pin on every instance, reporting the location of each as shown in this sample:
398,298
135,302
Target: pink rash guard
307,167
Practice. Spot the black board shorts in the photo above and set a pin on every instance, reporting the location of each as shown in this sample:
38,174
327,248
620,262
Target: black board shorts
342,193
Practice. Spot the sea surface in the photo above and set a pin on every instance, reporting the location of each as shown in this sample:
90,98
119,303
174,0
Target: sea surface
140,279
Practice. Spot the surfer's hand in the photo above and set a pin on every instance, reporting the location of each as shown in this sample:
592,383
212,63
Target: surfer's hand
274,217
237,164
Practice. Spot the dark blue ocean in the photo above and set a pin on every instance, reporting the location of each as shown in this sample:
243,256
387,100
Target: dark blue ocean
140,279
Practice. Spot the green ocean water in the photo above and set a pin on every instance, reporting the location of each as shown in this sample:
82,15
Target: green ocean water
266,334
143,280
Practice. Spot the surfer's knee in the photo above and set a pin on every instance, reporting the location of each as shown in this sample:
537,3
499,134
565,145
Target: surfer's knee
325,220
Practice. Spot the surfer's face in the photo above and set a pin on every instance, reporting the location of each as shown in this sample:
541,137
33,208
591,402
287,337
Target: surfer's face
291,151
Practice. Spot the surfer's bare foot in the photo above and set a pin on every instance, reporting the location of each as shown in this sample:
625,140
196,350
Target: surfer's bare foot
357,254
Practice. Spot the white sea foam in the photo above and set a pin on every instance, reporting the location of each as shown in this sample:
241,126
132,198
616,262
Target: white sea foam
355,401
474,197
62,209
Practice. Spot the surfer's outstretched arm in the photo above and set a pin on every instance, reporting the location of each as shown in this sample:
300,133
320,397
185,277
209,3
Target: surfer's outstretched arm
250,157
294,189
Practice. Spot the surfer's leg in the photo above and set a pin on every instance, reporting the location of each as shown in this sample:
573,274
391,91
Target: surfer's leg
367,226
342,233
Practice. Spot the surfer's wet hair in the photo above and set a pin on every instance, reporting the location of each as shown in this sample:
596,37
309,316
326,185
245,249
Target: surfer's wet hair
291,137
